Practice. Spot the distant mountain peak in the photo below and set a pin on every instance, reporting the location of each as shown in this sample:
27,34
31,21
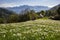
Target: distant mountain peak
23,7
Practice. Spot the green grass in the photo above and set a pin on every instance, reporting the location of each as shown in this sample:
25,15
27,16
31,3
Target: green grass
31,30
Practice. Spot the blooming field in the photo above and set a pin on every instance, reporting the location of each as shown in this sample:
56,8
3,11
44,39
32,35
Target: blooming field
31,30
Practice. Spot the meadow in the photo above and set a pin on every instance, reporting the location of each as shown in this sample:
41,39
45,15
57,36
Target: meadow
41,29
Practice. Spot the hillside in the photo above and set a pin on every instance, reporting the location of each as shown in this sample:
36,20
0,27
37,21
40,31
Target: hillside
31,30
55,12
5,15
55,7
5,12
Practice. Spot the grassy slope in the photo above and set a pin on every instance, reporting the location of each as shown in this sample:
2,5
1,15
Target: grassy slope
31,30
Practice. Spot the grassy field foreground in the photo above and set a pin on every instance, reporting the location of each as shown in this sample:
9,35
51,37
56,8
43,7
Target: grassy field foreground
31,30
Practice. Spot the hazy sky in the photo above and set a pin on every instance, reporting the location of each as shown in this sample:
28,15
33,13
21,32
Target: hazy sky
12,3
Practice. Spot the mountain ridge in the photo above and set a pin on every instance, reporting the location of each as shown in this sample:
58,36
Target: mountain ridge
55,7
23,7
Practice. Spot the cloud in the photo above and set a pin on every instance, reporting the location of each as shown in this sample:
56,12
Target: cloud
12,3
9,5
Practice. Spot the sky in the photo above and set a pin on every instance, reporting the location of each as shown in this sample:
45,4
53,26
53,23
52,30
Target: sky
12,3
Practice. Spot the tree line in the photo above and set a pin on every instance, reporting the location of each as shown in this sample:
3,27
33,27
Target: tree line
7,16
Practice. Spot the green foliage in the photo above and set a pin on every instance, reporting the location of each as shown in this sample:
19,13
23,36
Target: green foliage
58,10
43,13
53,14
1,20
32,15
29,15
13,18
5,15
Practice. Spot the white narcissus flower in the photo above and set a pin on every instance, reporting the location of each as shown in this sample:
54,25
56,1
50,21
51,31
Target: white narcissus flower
19,34
14,35
4,36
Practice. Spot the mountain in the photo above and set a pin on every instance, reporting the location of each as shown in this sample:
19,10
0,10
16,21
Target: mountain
55,12
5,12
23,7
55,7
